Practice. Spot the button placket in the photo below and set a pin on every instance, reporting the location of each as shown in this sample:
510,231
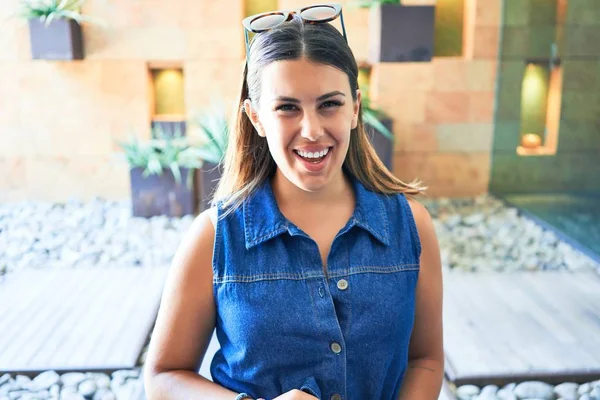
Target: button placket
335,347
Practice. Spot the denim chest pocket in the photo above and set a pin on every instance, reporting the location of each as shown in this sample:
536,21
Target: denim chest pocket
378,299
270,332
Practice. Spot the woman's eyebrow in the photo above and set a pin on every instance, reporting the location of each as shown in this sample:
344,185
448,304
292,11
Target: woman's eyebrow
323,97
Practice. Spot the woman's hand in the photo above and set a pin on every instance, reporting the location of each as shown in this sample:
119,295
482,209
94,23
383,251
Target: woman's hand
294,394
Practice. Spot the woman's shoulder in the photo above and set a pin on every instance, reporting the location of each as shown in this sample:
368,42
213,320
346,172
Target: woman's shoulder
229,213
419,212
418,209
410,202
423,221
213,215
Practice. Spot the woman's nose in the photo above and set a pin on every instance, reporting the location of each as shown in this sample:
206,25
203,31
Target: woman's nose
311,126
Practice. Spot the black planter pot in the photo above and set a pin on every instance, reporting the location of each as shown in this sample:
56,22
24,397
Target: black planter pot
162,195
209,178
61,40
383,146
401,33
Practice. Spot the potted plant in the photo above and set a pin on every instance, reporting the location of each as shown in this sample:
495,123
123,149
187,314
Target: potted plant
54,28
399,33
163,175
379,128
214,131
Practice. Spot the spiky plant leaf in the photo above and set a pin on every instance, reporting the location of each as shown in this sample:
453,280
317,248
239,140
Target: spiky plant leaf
49,10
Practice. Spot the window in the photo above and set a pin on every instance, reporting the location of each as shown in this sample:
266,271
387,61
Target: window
449,22
168,101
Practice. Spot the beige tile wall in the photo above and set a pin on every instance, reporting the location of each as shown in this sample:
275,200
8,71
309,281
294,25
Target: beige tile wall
443,111
59,120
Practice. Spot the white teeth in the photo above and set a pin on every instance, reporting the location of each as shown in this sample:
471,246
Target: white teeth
313,155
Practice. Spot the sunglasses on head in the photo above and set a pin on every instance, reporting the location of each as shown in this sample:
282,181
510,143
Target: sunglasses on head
314,14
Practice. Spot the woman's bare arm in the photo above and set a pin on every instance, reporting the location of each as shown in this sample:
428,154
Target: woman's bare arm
185,323
425,373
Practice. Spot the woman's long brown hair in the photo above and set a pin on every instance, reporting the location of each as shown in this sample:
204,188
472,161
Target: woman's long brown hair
248,162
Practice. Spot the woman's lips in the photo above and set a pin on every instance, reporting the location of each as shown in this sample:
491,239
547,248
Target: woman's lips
312,166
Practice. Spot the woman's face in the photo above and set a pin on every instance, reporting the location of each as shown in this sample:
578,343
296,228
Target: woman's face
306,112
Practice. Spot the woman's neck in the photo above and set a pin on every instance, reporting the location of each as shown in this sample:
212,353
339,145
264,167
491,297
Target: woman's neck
290,196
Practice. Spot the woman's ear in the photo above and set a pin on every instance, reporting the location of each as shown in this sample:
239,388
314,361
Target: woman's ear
252,114
356,109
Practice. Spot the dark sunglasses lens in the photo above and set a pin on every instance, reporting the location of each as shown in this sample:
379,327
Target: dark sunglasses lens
267,22
318,13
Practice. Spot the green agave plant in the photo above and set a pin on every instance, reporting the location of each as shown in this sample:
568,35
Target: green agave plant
50,10
163,152
372,116
214,128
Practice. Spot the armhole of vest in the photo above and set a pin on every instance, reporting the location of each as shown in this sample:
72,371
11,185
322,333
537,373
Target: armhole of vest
414,232
213,213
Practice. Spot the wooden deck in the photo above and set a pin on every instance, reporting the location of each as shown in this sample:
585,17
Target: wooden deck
83,319
498,328
501,328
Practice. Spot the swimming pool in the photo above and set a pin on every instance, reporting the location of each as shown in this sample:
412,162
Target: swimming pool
574,217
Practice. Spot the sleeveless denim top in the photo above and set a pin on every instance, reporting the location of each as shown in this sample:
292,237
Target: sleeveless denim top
282,324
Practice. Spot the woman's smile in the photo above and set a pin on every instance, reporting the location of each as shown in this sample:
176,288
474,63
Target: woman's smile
314,161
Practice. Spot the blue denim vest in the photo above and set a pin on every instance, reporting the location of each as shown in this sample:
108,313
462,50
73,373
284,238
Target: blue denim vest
283,325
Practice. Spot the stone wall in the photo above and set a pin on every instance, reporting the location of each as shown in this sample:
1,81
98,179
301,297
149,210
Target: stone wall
529,29
59,120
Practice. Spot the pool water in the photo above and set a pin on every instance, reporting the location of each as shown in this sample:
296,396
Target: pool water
575,217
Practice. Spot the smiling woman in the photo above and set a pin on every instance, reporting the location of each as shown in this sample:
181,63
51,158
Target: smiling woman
321,277
311,116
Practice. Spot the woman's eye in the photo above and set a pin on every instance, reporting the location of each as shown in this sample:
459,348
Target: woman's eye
286,107
331,103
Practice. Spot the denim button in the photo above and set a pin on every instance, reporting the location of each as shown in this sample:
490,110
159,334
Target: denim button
336,348
342,284
336,397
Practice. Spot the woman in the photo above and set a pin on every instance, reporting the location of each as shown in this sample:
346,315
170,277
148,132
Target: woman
322,278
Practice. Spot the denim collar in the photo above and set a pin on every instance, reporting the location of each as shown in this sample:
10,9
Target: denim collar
263,220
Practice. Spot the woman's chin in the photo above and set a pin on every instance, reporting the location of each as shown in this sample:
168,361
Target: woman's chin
312,182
